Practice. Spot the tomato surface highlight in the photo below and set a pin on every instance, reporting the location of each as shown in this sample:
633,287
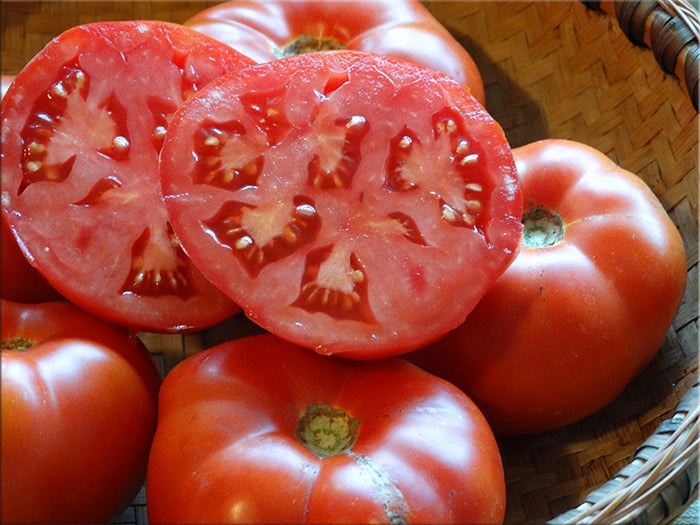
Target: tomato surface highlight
82,127
349,202
267,30
390,442
79,409
583,308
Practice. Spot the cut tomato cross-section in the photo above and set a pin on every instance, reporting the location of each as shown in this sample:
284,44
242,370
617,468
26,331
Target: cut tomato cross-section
367,218
82,128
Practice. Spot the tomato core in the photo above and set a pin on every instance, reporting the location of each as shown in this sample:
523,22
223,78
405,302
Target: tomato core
16,344
542,228
326,430
308,44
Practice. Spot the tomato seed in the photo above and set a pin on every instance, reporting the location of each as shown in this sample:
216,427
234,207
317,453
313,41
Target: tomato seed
469,159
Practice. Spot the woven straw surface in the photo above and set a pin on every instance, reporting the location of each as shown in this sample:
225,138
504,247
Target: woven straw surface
551,69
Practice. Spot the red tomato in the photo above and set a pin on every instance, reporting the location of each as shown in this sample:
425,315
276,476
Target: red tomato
349,202
257,430
265,30
585,305
79,399
82,127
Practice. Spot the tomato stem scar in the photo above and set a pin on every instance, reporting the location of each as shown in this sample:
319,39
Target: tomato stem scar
542,228
16,344
308,44
326,430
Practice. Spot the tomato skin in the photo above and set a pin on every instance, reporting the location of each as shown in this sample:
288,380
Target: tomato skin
79,411
228,415
82,125
567,327
360,257
403,29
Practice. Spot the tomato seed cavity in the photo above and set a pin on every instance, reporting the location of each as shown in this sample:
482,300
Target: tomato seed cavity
340,176
45,117
227,228
147,279
341,300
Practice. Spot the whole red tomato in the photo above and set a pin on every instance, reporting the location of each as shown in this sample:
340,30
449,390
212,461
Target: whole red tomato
349,202
585,305
264,30
79,401
258,430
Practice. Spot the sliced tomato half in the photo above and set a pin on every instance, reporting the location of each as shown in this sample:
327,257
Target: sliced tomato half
82,128
349,202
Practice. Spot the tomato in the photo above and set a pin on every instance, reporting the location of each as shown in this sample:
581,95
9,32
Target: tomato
82,127
348,202
266,30
257,430
585,305
79,400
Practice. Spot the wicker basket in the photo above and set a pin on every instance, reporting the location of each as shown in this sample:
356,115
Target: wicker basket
621,77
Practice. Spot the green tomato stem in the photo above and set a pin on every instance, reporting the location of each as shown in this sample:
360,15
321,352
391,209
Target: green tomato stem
16,344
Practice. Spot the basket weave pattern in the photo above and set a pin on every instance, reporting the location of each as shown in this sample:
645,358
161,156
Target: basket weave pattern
593,73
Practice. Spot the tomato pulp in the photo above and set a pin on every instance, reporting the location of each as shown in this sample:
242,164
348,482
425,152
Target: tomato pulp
349,202
583,308
268,29
82,127
257,430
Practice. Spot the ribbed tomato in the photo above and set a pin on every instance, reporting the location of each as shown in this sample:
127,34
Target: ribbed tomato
585,305
257,430
79,407
265,30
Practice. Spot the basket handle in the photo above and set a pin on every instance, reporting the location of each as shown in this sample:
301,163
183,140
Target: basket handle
670,28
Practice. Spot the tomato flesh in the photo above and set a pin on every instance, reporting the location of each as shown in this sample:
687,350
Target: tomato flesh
351,203
83,124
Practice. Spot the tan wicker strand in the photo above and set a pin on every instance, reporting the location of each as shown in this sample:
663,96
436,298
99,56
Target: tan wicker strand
633,491
686,12
670,28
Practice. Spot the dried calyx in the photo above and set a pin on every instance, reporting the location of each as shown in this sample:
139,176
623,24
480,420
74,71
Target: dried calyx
326,430
542,228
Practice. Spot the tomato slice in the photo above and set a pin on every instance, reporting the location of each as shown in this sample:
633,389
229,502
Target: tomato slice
82,127
349,202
